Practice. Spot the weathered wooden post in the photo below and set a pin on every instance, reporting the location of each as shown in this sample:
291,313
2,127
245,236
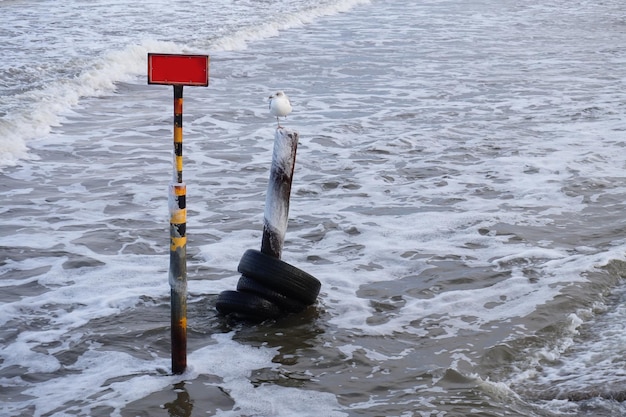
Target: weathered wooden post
178,70
276,215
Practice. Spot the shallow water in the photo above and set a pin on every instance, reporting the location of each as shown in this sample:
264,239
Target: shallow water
458,191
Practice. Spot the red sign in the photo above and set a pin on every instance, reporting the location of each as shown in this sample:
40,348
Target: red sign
172,69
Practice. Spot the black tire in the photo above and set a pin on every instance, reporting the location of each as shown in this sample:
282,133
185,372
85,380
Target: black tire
246,305
280,276
247,284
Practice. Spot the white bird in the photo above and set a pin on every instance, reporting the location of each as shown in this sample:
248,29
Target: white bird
280,106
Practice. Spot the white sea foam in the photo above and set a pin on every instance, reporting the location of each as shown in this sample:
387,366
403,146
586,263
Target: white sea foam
282,21
32,114
36,112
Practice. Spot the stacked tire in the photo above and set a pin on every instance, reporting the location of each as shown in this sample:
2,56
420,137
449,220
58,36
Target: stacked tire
268,289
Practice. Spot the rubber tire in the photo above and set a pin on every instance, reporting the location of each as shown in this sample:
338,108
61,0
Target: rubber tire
246,305
247,284
280,276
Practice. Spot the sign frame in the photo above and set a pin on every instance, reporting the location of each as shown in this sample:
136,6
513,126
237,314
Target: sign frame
178,69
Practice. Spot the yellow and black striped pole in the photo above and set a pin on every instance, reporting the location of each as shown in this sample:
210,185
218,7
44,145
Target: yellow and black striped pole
178,70
178,243
178,133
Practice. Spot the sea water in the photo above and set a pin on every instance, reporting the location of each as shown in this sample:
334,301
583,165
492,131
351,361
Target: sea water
459,192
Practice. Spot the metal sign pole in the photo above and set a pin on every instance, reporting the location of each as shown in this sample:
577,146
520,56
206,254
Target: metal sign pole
178,70
178,243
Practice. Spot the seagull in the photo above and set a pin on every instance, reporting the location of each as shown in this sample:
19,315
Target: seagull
279,105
